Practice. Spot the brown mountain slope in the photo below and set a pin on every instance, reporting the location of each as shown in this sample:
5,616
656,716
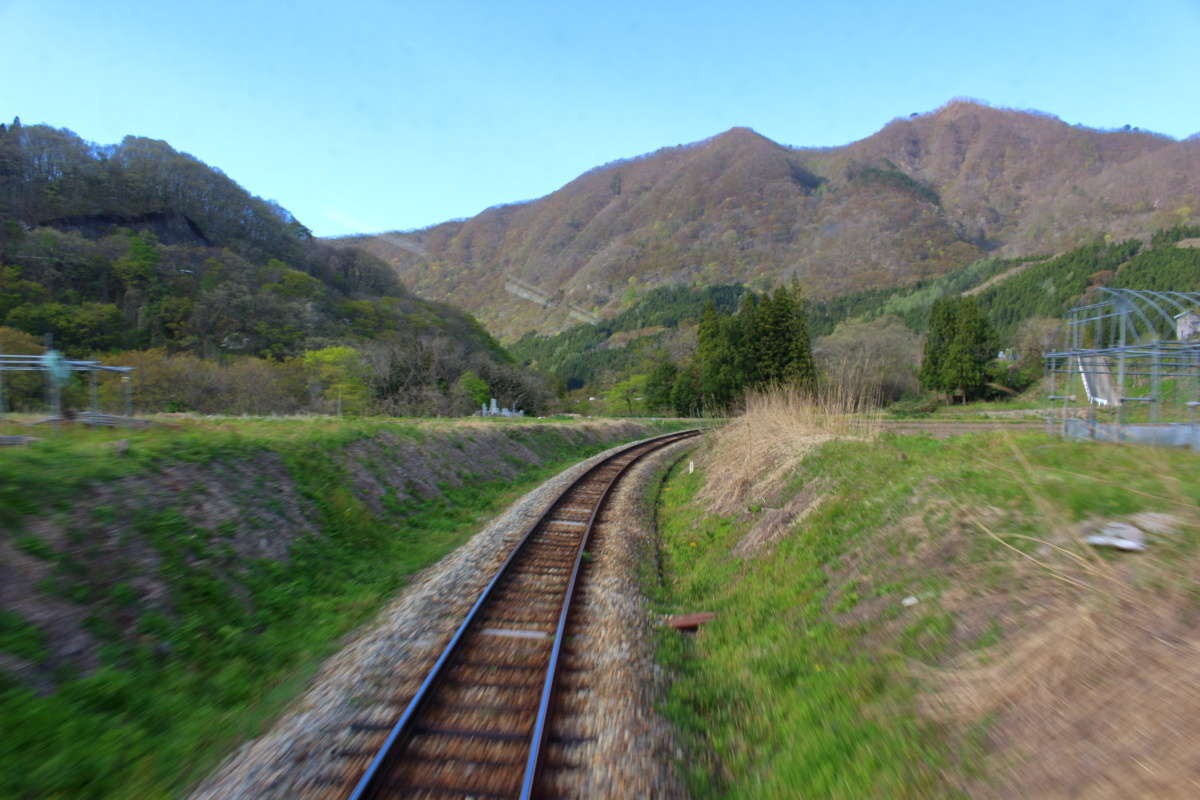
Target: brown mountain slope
921,196
1028,181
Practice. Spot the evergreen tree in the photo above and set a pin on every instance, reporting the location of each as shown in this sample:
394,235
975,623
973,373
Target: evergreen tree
800,368
964,369
685,393
941,331
747,341
660,384
765,343
958,347
771,338
708,333
716,359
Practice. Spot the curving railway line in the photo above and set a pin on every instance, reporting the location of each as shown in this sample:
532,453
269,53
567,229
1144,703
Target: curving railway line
478,723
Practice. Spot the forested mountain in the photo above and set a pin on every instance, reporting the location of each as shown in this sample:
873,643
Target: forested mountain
135,246
921,197
1012,291
1022,299
590,354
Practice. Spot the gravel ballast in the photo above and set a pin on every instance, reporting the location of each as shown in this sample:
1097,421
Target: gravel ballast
612,684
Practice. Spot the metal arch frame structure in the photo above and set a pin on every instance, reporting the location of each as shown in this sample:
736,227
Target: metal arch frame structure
1127,306
1122,336
21,362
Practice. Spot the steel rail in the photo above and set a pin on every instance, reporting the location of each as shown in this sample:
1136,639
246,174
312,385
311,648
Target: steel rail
368,785
537,743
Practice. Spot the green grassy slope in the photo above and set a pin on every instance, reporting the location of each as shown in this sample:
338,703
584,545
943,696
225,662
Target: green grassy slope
805,683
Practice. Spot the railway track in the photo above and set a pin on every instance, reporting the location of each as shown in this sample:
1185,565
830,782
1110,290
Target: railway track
477,723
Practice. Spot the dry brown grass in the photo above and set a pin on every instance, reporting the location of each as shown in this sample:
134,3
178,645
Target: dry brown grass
775,523
1087,700
751,458
1095,691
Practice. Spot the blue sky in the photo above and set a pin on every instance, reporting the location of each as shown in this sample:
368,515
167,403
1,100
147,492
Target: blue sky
366,116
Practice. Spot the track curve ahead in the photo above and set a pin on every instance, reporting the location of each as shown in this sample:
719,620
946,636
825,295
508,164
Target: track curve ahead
476,726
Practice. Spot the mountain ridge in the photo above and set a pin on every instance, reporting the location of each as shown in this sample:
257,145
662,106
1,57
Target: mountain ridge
921,196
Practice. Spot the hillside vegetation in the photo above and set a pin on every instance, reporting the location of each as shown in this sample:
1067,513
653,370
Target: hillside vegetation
137,247
586,354
920,198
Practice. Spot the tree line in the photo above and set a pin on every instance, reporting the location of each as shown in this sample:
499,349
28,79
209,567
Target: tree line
764,343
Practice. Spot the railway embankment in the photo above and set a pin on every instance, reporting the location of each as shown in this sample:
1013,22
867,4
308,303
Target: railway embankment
165,593
917,615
